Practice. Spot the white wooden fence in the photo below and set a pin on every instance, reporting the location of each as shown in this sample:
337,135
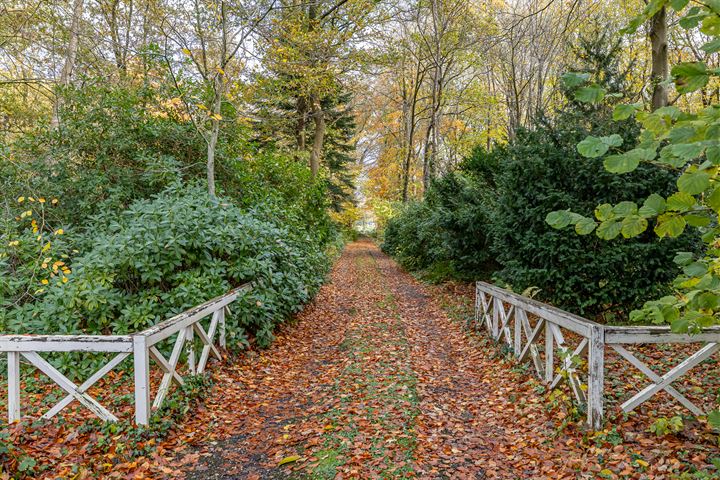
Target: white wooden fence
142,346
522,323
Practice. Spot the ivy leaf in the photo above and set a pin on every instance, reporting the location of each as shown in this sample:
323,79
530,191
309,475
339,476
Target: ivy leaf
653,206
590,94
609,229
670,225
693,183
690,76
633,225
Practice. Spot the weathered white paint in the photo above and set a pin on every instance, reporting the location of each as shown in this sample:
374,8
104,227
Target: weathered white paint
595,338
13,386
114,362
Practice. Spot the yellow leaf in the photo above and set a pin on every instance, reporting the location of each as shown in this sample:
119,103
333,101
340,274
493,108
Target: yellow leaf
642,463
46,247
606,471
59,231
186,51
31,199
290,459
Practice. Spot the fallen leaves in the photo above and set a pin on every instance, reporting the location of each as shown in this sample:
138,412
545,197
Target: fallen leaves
378,379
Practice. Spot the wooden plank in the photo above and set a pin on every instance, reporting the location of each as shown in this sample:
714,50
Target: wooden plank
207,339
596,377
169,368
549,352
660,334
223,339
173,325
579,350
86,400
114,362
531,338
564,319
66,343
673,374
495,318
632,359
190,349
517,332
141,364
13,386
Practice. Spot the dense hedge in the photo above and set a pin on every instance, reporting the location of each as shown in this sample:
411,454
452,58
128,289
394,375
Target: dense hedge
445,233
542,172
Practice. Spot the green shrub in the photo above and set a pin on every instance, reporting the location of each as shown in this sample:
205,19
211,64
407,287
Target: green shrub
446,233
542,172
174,251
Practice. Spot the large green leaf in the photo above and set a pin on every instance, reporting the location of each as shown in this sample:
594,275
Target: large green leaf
693,183
680,202
633,225
625,111
670,225
590,94
609,229
592,147
622,163
574,79
625,208
690,76
653,206
585,226
604,212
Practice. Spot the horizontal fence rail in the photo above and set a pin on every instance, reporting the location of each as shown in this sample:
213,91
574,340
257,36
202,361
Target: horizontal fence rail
534,332
142,346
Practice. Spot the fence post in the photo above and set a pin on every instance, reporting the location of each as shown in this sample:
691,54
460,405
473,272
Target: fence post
221,326
495,318
13,386
517,333
596,377
549,353
141,363
190,349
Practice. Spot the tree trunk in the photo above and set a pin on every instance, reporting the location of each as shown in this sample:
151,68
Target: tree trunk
318,137
659,73
214,134
70,57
